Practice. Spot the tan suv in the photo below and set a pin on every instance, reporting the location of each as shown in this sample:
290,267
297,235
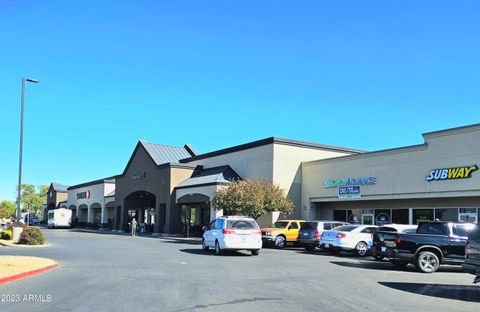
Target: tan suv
281,233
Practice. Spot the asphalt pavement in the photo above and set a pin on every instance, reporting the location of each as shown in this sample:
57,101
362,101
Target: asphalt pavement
104,272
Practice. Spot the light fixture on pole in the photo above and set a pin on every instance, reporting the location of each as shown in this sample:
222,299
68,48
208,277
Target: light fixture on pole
19,198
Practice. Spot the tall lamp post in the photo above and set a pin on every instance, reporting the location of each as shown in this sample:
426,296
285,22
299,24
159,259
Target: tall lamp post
19,198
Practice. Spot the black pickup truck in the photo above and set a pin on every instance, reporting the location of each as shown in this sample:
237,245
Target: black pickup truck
434,243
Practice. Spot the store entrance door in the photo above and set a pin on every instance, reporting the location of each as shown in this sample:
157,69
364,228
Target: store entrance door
368,219
468,217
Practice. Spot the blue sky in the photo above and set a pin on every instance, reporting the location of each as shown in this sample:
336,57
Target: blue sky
361,74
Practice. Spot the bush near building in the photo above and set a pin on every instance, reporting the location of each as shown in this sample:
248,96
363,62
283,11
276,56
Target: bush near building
252,198
6,234
31,236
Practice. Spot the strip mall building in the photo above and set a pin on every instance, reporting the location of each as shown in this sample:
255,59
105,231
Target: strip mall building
162,185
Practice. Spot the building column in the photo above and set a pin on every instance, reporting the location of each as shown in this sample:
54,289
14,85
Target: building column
104,214
89,215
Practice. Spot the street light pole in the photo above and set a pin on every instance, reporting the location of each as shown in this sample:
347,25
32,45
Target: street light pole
19,198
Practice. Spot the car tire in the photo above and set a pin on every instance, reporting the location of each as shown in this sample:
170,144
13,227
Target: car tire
255,252
310,248
398,263
361,249
427,262
218,250
204,246
280,242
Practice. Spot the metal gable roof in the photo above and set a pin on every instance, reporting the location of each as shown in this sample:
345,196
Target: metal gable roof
59,187
214,175
162,154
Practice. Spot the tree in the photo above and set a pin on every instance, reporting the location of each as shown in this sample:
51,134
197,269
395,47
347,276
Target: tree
252,198
32,201
7,209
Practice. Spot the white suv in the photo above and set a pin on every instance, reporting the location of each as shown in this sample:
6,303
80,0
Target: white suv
233,233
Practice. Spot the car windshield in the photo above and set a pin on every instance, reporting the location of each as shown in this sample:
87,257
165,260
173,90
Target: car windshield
242,224
309,226
346,228
280,225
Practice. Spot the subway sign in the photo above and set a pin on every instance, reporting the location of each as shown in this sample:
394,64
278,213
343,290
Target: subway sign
464,172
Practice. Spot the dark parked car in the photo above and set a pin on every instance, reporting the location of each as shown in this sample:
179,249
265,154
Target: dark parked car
472,254
310,232
378,253
433,244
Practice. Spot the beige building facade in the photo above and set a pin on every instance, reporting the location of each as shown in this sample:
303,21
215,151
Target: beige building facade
438,179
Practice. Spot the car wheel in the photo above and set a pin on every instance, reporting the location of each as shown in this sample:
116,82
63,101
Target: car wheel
218,251
309,248
427,262
204,246
255,252
377,257
361,249
280,242
398,263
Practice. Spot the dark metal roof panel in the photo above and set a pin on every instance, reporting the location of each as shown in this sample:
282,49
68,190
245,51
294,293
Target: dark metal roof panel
162,154
59,187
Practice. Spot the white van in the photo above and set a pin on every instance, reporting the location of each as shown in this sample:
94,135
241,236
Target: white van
233,233
59,218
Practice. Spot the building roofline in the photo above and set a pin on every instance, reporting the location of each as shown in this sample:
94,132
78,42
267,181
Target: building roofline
371,154
270,140
452,130
95,182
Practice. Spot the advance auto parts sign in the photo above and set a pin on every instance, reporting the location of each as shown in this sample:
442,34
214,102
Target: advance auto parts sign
451,173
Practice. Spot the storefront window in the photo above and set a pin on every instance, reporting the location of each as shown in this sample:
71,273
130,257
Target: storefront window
447,214
400,216
422,215
382,216
355,216
340,215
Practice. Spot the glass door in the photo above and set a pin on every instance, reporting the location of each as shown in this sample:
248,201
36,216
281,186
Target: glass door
368,219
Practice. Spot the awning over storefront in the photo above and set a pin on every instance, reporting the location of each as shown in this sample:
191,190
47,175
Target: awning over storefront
210,176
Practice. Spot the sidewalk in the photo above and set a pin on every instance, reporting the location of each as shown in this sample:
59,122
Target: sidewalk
174,237
17,267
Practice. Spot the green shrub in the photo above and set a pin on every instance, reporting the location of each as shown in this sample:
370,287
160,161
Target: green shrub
31,236
6,234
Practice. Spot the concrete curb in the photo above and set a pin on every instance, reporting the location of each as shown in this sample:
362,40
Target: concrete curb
11,278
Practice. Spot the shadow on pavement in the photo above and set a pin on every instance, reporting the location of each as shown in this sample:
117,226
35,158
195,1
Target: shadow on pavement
180,241
457,292
228,253
387,266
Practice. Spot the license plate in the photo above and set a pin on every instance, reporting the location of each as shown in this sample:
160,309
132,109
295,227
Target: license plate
327,245
383,249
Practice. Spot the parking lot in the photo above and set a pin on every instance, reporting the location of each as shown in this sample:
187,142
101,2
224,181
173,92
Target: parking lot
100,272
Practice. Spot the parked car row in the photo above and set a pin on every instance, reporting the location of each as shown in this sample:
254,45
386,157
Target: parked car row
427,245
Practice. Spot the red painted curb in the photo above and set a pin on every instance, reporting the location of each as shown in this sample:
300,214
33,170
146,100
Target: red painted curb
27,274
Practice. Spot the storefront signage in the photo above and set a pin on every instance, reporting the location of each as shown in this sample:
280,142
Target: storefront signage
345,192
83,195
140,176
451,173
350,182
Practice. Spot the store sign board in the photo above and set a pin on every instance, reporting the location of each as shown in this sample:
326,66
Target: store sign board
139,176
350,182
455,173
345,192
83,195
